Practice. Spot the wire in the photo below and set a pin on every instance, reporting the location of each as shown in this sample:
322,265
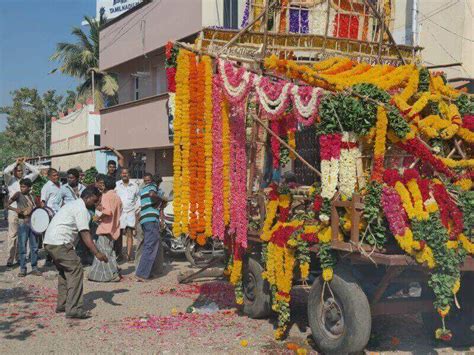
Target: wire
132,26
448,30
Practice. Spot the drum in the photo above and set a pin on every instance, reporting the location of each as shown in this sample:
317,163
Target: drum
40,218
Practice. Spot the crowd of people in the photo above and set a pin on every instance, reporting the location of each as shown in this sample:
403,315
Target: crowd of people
88,226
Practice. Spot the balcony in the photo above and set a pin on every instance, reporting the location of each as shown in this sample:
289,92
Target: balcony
137,124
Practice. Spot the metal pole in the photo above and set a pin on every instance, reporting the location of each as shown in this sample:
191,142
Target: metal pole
44,133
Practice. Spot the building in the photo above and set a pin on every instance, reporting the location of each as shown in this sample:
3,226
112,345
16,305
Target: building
77,131
445,29
132,46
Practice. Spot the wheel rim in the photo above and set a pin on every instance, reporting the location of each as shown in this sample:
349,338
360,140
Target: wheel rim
332,318
249,287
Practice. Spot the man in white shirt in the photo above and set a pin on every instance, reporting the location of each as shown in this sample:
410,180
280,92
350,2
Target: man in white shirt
50,191
129,193
60,240
12,175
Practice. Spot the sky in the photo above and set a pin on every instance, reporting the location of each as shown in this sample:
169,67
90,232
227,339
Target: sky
29,31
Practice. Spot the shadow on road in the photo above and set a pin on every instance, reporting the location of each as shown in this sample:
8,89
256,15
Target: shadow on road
107,296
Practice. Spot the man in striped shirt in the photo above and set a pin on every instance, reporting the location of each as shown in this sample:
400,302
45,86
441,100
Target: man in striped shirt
151,201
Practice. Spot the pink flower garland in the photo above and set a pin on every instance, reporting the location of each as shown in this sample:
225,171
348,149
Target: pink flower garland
238,176
218,226
306,101
236,82
393,210
330,146
468,122
274,96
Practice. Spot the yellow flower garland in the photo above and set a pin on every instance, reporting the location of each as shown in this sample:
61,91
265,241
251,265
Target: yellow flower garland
420,213
466,244
465,134
406,199
179,139
208,144
464,163
272,208
465,184
412,86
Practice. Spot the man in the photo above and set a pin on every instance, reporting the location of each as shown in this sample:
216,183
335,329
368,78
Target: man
108,212
72,190
12,175
128,192
59,242
112,170
50,191
25,203
151,201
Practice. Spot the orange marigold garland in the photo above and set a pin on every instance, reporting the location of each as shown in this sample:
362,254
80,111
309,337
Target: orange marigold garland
208,144
379,146
181,145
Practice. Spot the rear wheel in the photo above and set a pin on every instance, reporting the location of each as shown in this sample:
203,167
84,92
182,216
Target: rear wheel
257,299
200,256
339,314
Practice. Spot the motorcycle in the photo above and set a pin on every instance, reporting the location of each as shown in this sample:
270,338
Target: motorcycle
196,254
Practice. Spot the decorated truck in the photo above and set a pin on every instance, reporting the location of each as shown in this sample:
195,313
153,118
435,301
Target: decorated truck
349,174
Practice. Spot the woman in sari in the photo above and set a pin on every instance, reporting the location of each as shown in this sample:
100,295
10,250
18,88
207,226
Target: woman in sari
108,231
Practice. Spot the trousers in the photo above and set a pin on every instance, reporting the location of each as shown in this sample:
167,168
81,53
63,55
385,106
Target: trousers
70,278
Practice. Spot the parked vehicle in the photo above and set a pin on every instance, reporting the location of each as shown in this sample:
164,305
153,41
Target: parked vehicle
196,255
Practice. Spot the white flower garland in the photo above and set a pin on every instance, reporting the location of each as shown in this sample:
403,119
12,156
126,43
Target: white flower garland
234,91
266,102
317,19
309,110
348,165
329,175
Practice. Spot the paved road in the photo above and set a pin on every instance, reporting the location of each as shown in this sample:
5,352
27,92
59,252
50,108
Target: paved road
131,317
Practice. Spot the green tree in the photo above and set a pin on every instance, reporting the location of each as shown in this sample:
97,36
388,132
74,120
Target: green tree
80,59
26,118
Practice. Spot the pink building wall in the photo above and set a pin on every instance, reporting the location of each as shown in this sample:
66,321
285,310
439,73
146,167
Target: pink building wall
146,30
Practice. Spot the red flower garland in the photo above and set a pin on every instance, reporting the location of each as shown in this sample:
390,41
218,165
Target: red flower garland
448,210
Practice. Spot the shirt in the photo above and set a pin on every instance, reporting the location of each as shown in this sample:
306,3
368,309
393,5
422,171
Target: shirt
13,183
24,202
148,212
111,211
49,195
67,223
130,196
66,194
117,175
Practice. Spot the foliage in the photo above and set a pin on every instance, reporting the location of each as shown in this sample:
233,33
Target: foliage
446,273
340,112
89,176
7,153
465,105
38,185
326,255
424,80
375,221
81,58
26,116
466,204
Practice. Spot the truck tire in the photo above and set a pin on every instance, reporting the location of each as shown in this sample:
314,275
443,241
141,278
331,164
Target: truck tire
257,299
339,324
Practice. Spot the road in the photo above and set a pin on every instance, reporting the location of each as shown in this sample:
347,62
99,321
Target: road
131,317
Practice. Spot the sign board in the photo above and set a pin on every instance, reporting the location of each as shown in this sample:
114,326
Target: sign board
114,8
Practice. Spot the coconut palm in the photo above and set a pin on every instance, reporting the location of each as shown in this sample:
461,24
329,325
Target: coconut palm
80,59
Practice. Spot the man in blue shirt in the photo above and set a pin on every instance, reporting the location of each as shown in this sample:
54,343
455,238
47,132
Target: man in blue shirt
72,190
151,202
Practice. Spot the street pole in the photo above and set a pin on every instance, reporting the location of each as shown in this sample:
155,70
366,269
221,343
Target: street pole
45,147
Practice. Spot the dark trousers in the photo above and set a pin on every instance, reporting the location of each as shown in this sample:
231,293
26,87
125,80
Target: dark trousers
70,278
118,244
151,244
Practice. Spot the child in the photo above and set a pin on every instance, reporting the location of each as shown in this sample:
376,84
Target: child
25,205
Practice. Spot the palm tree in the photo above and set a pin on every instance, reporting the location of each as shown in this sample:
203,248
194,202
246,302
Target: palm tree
80,59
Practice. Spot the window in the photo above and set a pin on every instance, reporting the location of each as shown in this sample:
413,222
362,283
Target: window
161,80
137,88
231,13
97,140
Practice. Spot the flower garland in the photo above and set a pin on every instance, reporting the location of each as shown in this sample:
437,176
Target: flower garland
330,152
283,23
270,215
181,144
350,153
273,96
299,20
226,159
379,146
305,101
451,216
218,225
238,175
208,138
236,82
245,17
